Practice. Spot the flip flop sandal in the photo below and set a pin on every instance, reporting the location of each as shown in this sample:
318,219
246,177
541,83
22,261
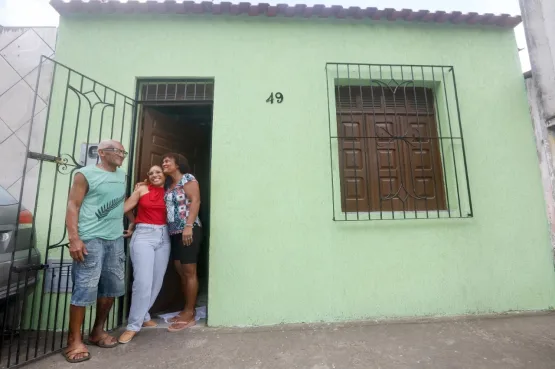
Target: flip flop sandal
183,325
177,318
75,352
100,343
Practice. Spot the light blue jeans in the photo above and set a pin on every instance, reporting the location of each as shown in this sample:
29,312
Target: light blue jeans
150,253
101,274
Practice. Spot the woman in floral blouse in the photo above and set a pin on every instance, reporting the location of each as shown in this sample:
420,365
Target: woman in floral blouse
182,204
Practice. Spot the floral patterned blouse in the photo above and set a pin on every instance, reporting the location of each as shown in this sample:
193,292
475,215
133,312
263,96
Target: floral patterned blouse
178,206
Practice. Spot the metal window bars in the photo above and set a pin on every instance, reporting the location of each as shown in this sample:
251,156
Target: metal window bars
396,143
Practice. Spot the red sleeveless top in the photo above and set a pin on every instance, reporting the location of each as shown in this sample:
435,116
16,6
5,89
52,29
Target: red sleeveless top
152,207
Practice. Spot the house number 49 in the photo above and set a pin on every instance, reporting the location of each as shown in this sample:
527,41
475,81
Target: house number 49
278,97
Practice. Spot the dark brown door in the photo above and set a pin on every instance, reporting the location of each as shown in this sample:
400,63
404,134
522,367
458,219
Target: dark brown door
162,134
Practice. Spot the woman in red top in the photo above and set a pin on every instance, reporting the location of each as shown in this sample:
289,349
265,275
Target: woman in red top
149,249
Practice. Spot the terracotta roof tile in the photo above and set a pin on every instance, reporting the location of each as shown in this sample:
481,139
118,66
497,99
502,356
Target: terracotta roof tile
69,7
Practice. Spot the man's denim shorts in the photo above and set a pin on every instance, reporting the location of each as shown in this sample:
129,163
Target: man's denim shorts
102,274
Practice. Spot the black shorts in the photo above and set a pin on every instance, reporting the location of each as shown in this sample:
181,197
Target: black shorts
186,254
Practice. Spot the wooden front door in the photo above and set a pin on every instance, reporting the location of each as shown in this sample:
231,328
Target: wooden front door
161,134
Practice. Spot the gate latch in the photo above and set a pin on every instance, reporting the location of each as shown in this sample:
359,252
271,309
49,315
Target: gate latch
32,267
43,157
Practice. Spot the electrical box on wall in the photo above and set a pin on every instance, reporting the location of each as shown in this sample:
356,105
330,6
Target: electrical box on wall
89,154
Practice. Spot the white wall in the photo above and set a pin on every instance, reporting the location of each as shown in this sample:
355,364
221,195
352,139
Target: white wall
20,53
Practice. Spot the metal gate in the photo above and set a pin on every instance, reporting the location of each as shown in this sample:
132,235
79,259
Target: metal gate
71,114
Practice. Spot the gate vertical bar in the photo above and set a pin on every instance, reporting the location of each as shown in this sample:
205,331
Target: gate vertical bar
14,318
462,142
36,207
452,143
331,143
52,203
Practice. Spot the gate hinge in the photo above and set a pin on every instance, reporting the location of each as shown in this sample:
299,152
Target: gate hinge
31,267
43,157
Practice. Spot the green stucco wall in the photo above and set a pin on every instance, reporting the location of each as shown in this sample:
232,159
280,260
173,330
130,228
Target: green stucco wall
276,255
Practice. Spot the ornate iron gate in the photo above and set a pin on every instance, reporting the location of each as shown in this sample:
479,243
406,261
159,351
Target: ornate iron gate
71,114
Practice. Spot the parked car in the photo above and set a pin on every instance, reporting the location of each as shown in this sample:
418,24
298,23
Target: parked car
26,253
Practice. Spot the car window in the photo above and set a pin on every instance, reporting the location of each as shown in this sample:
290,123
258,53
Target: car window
6,198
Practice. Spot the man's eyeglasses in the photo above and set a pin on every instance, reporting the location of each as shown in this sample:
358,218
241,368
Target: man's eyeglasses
117,151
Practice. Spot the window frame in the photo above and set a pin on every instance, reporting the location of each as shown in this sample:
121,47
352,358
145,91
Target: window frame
447,116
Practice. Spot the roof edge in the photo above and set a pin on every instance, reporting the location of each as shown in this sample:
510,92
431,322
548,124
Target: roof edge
67,8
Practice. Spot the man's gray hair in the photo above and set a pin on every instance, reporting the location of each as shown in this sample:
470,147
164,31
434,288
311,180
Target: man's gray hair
106,144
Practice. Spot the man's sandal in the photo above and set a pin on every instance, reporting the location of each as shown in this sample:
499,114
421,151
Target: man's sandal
102,342
70,354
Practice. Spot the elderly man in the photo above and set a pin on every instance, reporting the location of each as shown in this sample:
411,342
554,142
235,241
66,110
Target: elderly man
94,221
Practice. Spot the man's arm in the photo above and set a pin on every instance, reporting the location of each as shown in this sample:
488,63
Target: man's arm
128,207
132,201
77,194
131,226
130,217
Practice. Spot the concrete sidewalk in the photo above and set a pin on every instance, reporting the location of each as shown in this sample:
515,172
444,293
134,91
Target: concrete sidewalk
501,342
